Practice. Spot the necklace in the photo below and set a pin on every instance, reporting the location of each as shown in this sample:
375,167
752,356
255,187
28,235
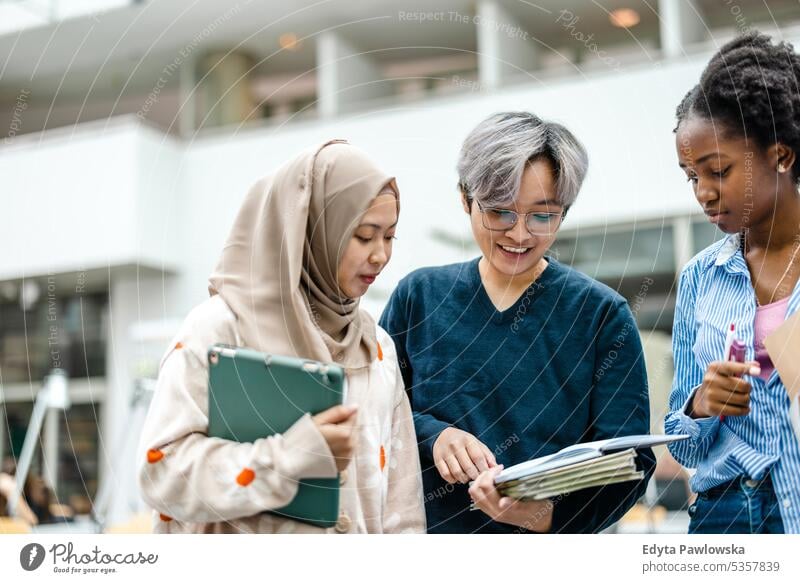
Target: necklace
742,246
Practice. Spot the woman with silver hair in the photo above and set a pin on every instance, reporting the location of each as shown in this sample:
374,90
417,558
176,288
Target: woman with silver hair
514,355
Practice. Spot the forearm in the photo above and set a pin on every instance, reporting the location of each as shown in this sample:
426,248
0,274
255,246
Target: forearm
202,479
428,429
702,433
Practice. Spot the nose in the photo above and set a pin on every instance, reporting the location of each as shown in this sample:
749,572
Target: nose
379,256
519,232
705,192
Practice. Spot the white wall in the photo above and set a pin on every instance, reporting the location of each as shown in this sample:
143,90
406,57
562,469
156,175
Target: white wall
90,197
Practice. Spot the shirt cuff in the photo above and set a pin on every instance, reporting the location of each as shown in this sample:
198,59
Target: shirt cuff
699,428
307,454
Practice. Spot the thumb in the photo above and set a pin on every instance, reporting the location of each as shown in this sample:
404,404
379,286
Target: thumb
350,421
336,414
753,367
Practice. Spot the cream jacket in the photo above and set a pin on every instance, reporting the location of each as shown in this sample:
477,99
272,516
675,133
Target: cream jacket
197,483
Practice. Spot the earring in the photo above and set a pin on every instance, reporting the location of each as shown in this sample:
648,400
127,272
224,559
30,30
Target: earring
781,168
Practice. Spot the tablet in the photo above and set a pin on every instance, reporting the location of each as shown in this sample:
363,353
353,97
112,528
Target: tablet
253,395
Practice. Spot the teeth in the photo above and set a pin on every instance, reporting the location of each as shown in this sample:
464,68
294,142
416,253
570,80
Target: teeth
514,249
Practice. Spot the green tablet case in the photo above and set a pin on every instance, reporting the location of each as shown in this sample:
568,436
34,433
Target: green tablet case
253,395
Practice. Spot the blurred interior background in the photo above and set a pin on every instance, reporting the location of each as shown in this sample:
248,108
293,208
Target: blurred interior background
132,130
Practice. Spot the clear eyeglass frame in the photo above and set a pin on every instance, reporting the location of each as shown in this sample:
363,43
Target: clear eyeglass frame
537,222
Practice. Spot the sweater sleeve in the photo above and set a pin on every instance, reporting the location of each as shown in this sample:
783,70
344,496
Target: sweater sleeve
186,475
619,406
395,320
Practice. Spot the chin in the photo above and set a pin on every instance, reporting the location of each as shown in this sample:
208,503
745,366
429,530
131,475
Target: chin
728,228
512,270
358,290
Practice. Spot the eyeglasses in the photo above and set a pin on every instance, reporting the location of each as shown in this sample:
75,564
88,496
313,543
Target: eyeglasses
537,222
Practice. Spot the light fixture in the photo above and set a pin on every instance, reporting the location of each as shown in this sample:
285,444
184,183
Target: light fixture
289,41
624,18
57,386
29,293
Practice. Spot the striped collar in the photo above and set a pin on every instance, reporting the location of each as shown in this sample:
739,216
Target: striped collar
728,256
728,249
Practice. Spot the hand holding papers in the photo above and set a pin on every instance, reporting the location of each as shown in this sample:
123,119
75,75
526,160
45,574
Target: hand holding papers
579,466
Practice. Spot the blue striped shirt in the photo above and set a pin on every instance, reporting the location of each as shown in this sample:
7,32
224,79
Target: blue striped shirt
714,291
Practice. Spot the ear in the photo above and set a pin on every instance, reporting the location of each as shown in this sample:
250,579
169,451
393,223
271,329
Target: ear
782,156
465,204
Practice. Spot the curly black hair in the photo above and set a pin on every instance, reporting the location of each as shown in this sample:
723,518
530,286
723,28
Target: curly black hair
751,88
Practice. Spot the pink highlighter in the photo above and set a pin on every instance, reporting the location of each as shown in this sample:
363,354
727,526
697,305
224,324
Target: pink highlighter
735,350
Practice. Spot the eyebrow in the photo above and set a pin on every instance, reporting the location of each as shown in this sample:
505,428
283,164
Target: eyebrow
702,159
549,202
377,226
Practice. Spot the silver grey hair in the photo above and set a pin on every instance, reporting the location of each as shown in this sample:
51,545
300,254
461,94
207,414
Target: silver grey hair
494,155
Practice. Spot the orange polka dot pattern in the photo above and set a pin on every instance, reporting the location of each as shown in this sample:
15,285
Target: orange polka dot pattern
382,458
245,477
154,455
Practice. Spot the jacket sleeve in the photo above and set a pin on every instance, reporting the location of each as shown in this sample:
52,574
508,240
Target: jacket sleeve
395,320
404,511
186,475
620,406
688,377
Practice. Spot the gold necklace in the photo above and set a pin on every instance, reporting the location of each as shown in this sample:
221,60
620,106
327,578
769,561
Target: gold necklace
785,272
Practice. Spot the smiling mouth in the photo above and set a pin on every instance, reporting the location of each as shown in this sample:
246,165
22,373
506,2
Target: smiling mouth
514,252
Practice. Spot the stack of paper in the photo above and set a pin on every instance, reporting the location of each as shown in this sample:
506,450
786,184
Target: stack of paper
579,466
610,469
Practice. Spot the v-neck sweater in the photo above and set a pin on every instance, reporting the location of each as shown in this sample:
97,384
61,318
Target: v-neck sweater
562,365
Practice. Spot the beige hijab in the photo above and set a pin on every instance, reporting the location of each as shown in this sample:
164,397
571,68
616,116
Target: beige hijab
278,268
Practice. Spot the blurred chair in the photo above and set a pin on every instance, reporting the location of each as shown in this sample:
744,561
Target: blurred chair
13,526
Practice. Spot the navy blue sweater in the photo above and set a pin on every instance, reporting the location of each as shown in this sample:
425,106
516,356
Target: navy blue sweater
563,365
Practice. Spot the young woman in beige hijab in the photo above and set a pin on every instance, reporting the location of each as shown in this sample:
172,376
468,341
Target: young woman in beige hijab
306,244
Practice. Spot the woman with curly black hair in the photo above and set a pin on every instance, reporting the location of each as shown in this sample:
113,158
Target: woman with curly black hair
737,137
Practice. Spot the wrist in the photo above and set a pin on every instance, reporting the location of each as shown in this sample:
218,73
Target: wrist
692,410
536,516
542,519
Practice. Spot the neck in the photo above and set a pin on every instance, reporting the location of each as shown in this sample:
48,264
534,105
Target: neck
512,283
781,229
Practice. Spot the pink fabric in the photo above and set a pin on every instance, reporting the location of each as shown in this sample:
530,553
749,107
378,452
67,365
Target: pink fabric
768,318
